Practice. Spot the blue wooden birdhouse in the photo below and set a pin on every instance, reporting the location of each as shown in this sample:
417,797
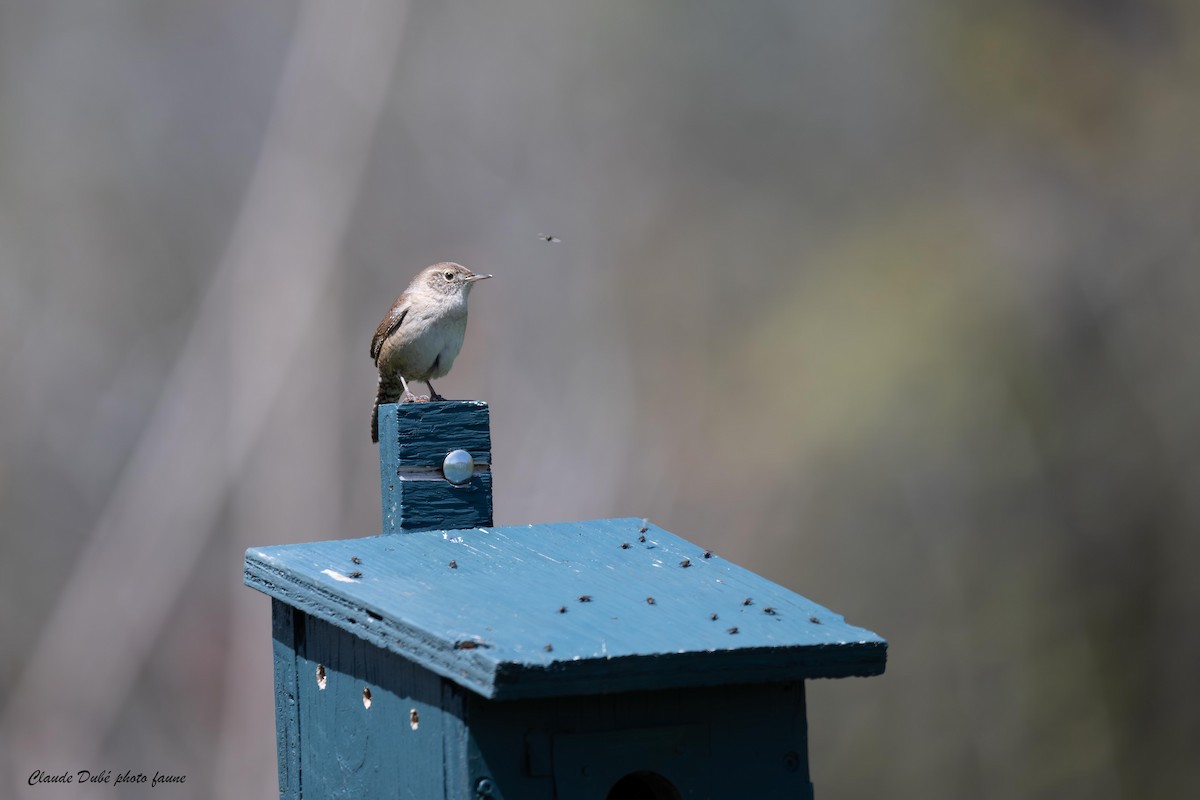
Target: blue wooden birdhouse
447,658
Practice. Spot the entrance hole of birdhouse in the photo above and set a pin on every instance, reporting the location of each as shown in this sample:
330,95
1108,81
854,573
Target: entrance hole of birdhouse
644,785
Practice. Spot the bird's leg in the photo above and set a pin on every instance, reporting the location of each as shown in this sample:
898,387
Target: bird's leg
408,396
433,395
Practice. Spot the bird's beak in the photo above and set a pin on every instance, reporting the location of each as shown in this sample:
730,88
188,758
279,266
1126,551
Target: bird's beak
474,278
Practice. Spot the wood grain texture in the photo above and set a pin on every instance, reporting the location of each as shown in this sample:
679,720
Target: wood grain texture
286,632
415,505
420,434
486,624
414,438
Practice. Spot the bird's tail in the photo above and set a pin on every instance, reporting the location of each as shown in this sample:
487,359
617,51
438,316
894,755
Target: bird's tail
389,392
375,420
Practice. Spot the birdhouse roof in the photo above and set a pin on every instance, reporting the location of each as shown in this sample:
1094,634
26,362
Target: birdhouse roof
565,609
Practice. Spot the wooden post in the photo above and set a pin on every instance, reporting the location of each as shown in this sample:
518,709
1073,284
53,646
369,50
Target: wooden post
414,440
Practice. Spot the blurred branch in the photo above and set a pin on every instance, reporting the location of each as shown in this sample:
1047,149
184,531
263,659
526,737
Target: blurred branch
271,278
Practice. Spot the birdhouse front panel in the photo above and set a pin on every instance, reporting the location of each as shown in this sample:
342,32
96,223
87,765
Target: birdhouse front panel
744,740
372,723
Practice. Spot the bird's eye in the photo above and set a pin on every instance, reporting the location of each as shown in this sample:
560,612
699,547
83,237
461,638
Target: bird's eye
448,275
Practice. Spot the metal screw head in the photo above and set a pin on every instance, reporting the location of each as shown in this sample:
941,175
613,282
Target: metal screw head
458,466
484,787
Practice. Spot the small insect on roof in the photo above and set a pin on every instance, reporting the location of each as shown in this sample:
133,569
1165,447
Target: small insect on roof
563,609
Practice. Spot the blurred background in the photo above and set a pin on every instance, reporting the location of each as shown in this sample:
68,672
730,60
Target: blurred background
894,303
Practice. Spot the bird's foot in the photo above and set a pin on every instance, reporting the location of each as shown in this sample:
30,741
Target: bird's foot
437,397
409,397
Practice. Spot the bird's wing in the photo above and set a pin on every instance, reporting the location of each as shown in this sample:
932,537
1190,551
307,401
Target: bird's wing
390,323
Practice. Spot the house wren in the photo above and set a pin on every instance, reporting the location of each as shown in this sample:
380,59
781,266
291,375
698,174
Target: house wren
421,334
